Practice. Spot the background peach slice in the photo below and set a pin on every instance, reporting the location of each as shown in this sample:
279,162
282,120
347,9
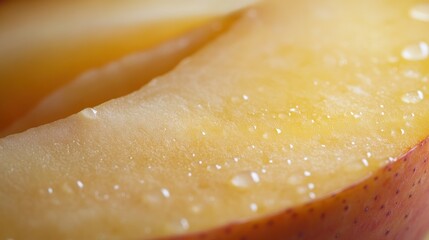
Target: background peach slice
117,79
297,101
46,44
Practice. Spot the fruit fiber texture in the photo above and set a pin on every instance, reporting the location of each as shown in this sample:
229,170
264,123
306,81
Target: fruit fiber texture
117,78
391,204
248,138
46,44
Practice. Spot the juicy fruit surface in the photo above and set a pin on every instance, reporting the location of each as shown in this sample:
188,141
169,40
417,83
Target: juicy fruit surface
44,45
297,101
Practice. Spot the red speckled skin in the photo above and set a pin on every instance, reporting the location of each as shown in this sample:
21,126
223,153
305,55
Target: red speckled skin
391,204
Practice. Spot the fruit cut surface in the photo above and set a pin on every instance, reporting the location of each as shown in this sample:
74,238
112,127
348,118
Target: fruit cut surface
300,99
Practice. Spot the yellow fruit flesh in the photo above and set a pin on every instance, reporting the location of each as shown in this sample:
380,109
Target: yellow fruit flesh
45,45
117,78
297,101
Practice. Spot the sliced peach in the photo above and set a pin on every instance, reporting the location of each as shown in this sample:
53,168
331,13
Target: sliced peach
117,78
44,45
307,120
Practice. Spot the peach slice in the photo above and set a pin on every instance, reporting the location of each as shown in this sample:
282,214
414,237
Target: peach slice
44,45
307,120
117,78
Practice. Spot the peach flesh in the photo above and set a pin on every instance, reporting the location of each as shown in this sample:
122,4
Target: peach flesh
228,136
117,78
44,45
390,204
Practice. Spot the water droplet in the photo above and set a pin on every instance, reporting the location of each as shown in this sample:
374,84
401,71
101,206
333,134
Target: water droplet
310,186
420,12
245,179
312,195
116,187
409,116
218,167
265,135
289,162
90,113
365,162
50,190
184,223
79,184
203,133
236,159
416,52
196,208
307,173
253,207
413,97
245,97
165,192
252,128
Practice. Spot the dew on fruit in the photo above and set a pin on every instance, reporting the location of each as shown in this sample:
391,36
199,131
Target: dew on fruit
365,162
184,223
89,113
245,179
253,207
245,97
289,162
312,195
116,187
412,97
50,190
416,52
278,130
265,136
180,225
79,184
420,12
409,116
310,186
307,173
165,192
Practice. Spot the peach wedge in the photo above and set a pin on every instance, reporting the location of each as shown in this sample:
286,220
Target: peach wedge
117,78
306,120
46,44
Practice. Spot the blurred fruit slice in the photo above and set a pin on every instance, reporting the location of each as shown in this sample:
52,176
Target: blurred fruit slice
116,79
292,125
46,44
